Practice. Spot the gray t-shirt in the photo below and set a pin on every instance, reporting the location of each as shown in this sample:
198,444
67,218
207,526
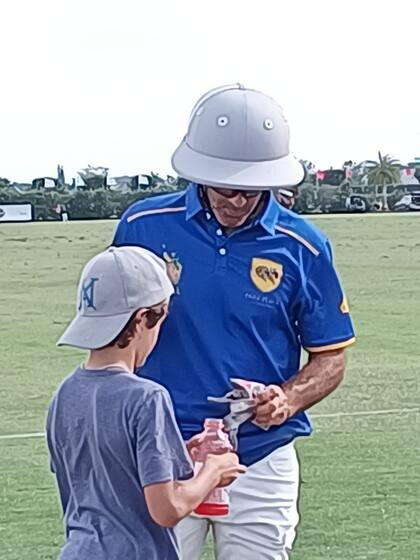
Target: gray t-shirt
110,434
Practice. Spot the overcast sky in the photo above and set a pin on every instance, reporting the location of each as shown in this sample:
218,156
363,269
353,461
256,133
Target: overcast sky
112,82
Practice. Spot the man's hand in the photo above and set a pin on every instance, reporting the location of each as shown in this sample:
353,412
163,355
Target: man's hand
317,379
272,407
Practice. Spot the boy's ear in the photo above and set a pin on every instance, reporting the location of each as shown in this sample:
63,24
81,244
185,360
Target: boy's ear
140,318
140,313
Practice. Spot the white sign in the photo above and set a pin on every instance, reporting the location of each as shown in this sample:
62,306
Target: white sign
15,212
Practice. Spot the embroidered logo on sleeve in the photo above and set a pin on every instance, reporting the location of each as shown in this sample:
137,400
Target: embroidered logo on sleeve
266,274
173,267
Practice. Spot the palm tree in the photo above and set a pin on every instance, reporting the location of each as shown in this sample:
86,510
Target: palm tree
383,173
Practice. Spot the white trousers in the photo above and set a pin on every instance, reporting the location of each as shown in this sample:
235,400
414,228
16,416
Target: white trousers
263,514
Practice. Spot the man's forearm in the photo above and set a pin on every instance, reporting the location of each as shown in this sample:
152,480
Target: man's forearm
317,379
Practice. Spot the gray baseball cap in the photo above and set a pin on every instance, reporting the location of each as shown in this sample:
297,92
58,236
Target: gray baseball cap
113,285
237,138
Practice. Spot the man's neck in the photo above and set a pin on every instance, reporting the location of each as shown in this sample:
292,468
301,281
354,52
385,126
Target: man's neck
227,230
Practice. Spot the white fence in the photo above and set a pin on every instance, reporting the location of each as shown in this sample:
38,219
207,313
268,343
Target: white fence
16,212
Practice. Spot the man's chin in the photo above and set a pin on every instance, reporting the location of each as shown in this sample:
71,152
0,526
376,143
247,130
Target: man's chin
231,221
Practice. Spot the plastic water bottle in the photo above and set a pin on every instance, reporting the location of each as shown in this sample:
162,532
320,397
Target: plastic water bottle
213,440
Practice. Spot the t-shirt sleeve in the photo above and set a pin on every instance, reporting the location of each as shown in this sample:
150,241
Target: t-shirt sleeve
324,321
161,452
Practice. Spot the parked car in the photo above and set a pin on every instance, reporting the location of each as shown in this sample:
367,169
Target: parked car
408,203
357,203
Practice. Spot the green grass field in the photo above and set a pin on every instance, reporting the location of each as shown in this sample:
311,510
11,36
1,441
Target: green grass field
360,493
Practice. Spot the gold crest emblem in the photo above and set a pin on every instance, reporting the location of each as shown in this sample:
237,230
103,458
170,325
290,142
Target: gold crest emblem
266,274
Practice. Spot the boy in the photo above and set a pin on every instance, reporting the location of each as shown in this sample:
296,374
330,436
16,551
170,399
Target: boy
114,444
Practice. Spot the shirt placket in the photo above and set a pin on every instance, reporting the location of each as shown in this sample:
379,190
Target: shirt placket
220,243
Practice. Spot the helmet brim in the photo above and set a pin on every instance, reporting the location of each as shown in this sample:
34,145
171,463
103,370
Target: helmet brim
217,172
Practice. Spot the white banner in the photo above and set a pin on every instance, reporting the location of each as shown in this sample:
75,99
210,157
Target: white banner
15,212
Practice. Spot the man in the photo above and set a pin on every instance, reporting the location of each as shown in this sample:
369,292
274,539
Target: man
256,284
120,462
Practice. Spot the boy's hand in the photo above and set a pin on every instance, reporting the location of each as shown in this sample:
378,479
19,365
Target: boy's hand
193,445
226,466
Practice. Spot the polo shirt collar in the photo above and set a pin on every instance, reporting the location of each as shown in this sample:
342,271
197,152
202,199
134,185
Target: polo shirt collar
268,219
192,200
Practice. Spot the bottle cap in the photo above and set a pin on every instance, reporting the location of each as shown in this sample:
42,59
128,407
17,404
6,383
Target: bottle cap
215,423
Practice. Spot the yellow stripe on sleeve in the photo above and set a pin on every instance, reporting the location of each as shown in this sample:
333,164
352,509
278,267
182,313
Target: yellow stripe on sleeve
327,347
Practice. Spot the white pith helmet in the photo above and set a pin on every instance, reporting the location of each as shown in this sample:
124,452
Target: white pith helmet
237,138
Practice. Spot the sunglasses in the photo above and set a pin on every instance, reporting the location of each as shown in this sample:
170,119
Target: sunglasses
231,193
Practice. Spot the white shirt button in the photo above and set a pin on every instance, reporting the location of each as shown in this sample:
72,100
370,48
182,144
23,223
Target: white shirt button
208,215
222,251
219,232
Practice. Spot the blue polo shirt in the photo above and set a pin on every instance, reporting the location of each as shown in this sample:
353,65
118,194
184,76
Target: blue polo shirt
246,303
